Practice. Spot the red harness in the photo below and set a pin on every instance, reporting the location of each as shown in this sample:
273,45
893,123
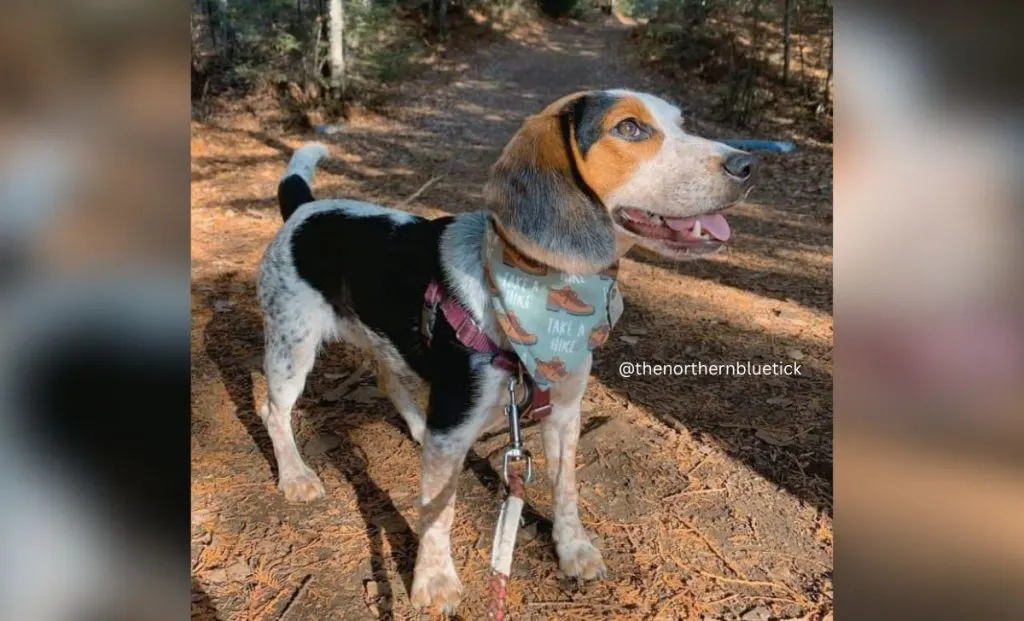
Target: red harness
538,402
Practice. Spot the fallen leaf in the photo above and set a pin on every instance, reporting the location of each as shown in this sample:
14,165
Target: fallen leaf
774,438
629,340
223,306
203,515
238,572
365,394
795,354
759,613
342,389
371,590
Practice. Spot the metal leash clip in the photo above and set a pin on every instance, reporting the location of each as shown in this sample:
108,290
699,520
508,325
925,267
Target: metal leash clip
515,451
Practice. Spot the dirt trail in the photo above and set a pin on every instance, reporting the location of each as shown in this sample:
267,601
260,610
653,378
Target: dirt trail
710,495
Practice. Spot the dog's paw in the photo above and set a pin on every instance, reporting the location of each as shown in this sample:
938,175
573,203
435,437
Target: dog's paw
302,487
580,559
437,585
416,431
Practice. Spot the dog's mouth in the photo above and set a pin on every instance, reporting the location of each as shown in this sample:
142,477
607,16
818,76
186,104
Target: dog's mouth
696,234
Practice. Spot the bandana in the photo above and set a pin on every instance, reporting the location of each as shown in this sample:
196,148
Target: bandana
552,319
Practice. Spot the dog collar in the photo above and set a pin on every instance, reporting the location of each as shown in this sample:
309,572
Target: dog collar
552,319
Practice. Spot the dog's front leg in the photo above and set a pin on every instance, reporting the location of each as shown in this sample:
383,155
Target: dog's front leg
445,446
435,581
577,556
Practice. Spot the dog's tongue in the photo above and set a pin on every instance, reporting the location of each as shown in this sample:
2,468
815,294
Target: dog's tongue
714,225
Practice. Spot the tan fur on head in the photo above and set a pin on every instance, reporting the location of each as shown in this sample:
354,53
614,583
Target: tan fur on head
557,186
540,205
610,162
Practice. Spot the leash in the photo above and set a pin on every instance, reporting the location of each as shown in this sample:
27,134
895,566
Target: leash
517,472
777,146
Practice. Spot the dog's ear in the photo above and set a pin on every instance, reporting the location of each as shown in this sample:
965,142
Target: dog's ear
538,197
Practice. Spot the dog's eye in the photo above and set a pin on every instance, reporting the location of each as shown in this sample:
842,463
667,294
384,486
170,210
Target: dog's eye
630,130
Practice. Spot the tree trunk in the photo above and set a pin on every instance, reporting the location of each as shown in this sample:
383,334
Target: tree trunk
440,9
337,47
755,28
226,30
211,22
804,89
751,77
827,95
786,40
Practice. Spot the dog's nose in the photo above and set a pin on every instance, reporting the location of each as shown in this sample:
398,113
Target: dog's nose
739,165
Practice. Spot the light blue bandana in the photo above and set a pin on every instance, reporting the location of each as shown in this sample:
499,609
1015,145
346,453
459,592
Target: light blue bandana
552,319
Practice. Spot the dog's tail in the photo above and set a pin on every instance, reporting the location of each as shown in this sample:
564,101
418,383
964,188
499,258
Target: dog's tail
294,189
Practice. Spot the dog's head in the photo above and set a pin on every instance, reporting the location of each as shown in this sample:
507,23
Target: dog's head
598,172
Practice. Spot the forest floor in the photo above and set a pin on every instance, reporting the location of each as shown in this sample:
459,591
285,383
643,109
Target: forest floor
710,496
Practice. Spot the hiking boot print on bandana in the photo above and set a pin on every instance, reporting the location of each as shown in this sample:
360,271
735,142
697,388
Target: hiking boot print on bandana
553,320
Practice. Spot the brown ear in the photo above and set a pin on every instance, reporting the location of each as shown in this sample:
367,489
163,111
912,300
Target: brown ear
539,199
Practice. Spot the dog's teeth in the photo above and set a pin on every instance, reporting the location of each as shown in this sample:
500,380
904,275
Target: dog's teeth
696,228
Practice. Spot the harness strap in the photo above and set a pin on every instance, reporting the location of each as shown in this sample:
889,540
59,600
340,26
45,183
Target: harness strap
469,333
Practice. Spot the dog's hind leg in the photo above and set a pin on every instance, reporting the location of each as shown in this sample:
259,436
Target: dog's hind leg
390,385
290,354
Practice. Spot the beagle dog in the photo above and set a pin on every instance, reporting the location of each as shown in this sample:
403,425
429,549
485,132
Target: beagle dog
592,175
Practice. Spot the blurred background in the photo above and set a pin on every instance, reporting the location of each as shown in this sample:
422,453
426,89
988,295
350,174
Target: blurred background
929,330
94,314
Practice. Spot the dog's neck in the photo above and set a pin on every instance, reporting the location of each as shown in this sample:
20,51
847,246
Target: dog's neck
558,262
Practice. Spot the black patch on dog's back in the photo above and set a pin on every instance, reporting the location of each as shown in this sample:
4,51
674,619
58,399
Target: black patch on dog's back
376,270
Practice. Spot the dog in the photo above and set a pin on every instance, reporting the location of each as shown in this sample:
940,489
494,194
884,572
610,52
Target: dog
579,184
